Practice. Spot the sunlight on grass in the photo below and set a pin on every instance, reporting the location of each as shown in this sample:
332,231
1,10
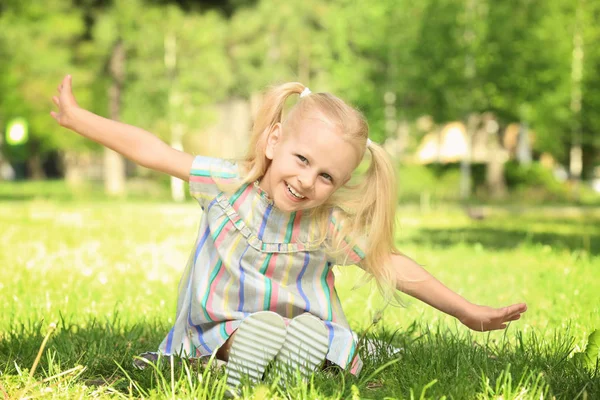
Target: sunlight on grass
106,273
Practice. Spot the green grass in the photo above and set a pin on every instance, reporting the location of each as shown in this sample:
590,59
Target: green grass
106,272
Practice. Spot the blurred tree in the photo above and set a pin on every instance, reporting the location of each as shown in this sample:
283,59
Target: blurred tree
383,54
37,41
152,92
178,65
394,59
277,42
114,31
448,58
336,46
526,52
225,7
558,59
449,68
590,102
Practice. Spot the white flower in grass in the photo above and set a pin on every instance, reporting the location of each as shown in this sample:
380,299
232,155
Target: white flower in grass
102,279
152,275
70,218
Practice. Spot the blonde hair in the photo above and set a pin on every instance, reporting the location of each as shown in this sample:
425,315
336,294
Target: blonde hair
366,209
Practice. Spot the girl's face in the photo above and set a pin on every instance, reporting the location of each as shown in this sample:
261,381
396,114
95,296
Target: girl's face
308,164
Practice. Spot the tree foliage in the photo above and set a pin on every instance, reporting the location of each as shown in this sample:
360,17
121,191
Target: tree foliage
444,58
37,42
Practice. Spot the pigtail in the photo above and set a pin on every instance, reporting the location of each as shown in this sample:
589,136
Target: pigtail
378,214
269,114
370,213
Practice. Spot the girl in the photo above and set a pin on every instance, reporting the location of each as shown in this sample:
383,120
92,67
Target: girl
259,284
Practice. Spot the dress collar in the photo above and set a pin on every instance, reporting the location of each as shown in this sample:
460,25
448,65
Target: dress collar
262,193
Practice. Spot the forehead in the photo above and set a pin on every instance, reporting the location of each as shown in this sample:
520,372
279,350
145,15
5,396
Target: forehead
322,142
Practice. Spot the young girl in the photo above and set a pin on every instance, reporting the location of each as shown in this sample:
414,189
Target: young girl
259,285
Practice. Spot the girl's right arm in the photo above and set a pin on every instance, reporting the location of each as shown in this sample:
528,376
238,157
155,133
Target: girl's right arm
412,279
136,144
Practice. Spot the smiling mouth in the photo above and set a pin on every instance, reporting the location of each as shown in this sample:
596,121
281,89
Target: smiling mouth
294,193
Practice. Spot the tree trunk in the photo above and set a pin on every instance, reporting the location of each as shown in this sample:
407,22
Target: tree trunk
114,163
73,167
402,136
304,63
465,163
34,164
470,73
177,129
497,156
523,144
390,116
576,153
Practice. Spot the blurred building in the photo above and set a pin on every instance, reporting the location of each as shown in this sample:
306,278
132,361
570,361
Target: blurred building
450,144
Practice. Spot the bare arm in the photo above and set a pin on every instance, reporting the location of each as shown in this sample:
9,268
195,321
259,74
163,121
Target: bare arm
136,144
415,281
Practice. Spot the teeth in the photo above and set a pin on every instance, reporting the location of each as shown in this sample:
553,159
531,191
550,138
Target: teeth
292,191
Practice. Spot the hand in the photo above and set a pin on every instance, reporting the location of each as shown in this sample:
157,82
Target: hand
66,103
483,318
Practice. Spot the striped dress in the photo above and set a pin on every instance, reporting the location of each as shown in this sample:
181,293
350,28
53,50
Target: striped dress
249,257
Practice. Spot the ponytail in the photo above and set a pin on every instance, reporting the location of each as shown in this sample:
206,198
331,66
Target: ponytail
269,114
370,212
379,190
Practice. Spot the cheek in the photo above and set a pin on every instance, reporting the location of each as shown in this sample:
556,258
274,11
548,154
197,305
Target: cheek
324,192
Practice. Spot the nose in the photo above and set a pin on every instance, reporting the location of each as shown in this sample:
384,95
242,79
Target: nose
307,180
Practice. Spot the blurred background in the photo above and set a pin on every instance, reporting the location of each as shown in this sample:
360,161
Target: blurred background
476,100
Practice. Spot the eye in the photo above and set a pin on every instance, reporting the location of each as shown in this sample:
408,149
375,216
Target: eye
302,158
327,176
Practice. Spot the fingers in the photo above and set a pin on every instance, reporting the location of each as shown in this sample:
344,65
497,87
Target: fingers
522,307
515,309
64,86
511,313
66,83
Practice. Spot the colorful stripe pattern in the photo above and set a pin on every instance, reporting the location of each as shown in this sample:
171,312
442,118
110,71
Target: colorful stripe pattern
250,257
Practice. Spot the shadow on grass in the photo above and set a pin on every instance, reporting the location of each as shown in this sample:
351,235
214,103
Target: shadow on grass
99,346
441,363
559,234
437,362
93,191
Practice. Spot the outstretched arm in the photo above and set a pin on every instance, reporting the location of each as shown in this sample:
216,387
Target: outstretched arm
415,281
136,144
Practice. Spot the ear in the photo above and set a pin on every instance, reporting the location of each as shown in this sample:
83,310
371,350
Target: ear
273,138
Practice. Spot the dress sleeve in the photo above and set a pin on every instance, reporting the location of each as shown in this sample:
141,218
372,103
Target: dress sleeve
350,253
209,175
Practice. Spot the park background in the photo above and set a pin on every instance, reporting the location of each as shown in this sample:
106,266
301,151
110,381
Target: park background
490,110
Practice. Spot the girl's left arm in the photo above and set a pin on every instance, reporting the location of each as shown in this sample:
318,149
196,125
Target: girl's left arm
136,144
415,281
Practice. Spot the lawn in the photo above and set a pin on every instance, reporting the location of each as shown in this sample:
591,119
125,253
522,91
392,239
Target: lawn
105,273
